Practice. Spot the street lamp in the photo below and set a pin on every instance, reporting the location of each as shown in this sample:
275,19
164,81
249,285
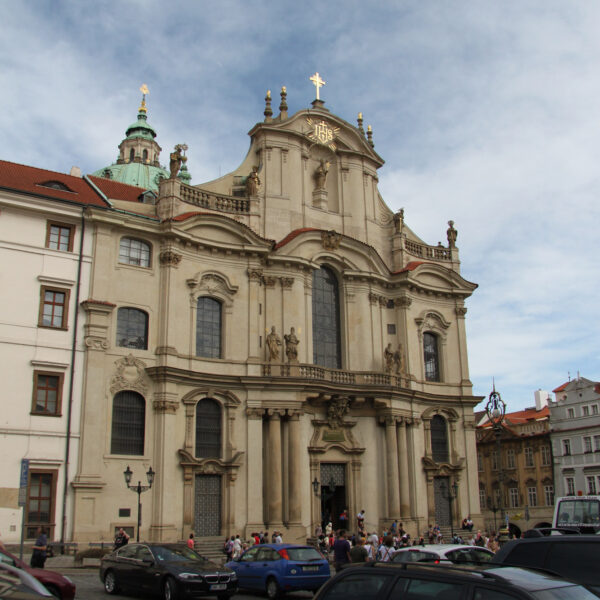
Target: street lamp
450,496
495,410
139,488
494,509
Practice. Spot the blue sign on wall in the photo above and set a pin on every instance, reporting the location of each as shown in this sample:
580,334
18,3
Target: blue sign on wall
23,481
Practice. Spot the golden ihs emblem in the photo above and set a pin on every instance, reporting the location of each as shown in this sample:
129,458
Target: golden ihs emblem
322,133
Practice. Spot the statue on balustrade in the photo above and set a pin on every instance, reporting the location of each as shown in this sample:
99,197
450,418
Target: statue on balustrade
273,343
291,345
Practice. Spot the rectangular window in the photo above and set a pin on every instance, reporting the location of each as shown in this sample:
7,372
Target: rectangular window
529,457
495,460
587,444
510,458
594,409
597,443
532,496
513,497
549,495
391,329
59,237
47,393
54,308
570,413
585,411
479,462
482,502
546,456
41,500
566,447
570,486
591,484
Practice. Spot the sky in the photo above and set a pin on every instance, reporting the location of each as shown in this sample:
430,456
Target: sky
486,113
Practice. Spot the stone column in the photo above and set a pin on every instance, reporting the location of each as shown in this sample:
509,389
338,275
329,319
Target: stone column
391,444
403,469
254,321
254,423
295,500
274,469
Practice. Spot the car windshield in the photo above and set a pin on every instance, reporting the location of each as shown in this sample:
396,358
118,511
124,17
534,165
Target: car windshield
567,592
176,554
303,554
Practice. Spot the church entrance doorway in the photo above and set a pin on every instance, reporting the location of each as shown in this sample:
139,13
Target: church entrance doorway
442,507
333,496
207,505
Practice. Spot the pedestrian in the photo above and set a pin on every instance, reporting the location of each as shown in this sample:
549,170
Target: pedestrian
359,553
190,542
229,548
341,551
394,527
38,556
278,538
237,547
121,539
344,519
386,550
360,520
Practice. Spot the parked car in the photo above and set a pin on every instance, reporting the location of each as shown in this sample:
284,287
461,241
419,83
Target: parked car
278,568
454,553
574,557
58,585
172,570
18,584
421,581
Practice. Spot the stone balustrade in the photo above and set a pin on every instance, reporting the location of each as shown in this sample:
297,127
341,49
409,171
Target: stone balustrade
211,201
428,252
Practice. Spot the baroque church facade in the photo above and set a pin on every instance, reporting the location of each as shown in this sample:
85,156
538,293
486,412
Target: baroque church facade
277,345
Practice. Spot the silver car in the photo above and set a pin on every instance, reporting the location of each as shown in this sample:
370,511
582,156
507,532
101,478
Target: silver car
436,553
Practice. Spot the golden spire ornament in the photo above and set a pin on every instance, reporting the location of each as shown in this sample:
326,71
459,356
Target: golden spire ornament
145,91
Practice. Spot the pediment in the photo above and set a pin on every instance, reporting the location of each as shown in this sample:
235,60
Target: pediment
439,278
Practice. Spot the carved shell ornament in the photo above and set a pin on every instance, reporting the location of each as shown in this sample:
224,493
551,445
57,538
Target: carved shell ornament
129,375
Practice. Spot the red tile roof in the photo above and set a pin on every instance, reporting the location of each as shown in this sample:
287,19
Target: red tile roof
411,266
21,178
293,234
560,388
116,190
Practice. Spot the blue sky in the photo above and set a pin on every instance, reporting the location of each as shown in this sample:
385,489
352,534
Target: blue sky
487,113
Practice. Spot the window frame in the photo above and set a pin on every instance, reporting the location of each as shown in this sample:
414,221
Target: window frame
569,486
532,496
546,456
529,459
590,481
59,388
513,497
65,314
585,411
133,264
432,358
70,227
587,444
510,458
50,524
146,328
117,450
197,320
566,447
327,306
200,442
549,495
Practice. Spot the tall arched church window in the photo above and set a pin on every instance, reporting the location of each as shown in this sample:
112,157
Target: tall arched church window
132,328
439,439
431,356
131,155
128,424
145,155
326,319
208,328
208,429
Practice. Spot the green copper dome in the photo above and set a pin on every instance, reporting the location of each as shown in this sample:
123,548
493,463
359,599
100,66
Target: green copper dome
141,128
134,173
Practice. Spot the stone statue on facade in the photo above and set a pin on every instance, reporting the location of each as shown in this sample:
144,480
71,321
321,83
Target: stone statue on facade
291,345
273,343
252,182
399,364
452,235
388,357
176,158
399,220
321,175
336,411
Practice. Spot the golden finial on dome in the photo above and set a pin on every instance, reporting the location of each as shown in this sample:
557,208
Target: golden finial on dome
144,90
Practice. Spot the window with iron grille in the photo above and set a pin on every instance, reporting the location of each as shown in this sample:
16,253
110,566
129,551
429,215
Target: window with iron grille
134,252
208,328
327,348
128,424
208,429
59,237
439,439
47,393
529,457
532,496
132,328
431,357
549,495
53,309
513,497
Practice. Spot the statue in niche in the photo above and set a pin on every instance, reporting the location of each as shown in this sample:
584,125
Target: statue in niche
388,357
452,235
321,175
273,343
291,345
252,182
399,363
336,411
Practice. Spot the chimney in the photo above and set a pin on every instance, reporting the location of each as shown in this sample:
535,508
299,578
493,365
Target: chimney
75,172
541,399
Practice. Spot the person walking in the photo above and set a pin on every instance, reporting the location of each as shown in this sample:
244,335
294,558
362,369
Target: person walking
359,553
190,542
386,550
38,556
341,551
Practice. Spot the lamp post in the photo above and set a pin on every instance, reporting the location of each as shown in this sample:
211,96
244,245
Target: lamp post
139,488
450,496
495,410
494,509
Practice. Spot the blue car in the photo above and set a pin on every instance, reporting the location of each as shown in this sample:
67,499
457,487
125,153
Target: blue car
279,568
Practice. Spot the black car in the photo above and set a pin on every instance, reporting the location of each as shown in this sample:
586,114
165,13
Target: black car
575,557
169,570
420,581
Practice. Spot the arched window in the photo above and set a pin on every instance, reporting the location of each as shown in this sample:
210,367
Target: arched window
132,328
439,439
134,252
208,429
128,424
131,155
326,319
208,328
145,155
431,356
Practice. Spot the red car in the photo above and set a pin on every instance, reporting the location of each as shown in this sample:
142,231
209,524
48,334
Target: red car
58,585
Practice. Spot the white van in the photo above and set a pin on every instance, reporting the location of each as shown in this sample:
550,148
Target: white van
580,512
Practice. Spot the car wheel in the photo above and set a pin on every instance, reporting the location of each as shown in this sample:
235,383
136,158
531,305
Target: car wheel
54,591
273,590
169,589
110,583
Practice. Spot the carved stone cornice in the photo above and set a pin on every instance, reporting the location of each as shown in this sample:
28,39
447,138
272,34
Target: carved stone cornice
209,466
403,301
165,406
286,282
169,258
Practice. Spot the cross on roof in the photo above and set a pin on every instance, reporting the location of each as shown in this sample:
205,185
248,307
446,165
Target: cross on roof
317,82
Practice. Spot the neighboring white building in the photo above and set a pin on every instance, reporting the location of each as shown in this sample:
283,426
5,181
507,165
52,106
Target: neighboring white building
575,423
44,268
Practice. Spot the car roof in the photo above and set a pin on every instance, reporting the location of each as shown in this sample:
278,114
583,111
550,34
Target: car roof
439,547
280,546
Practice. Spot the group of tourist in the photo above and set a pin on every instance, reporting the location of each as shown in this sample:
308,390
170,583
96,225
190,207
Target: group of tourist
234,546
